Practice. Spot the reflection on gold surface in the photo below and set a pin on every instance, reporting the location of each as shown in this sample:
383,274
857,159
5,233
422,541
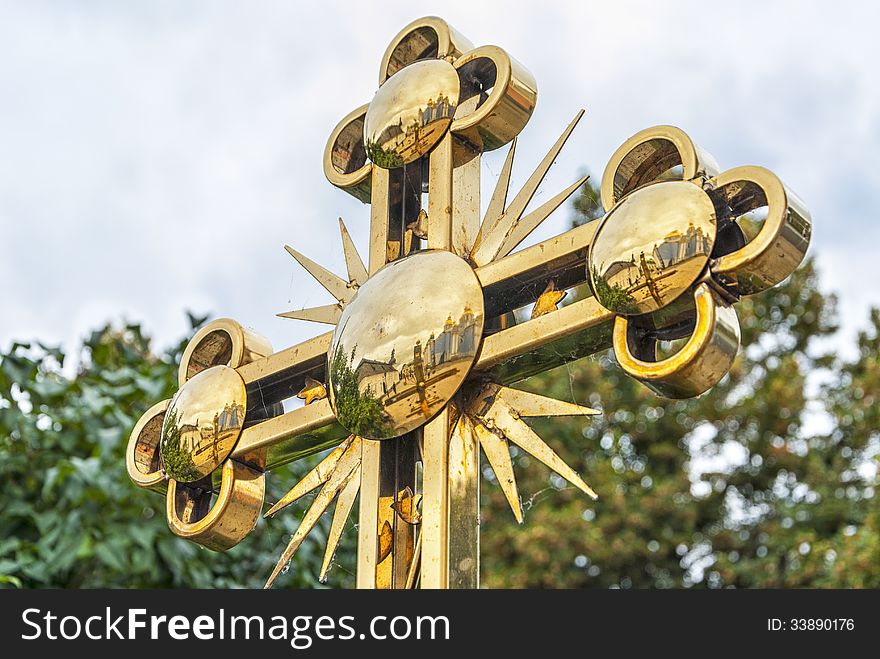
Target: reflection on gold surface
202,424
407,334
410,113
698,366
652,247
404,344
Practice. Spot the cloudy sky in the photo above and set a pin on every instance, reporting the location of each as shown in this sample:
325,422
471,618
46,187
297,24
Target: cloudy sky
155,156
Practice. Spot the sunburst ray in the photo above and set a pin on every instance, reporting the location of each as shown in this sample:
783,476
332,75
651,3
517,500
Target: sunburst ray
497,414
496,230
336,286
508,421
524,227
344,504
328,314
317,476
497,453
342,471
495,210
528,404
357,272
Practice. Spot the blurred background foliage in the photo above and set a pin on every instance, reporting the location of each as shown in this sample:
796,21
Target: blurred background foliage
766,481
69,515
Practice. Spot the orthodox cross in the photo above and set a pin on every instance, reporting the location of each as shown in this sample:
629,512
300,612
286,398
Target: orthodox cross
431,333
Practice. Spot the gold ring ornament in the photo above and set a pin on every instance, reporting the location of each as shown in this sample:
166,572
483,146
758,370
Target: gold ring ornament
432,81
187,440
677,246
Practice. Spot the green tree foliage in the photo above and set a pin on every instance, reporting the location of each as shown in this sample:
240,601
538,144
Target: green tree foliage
69,515
744,486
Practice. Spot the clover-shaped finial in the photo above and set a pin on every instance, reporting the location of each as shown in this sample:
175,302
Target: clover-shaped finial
676,248
194,434
432,82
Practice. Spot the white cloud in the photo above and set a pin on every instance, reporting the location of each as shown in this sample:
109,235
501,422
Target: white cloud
155,156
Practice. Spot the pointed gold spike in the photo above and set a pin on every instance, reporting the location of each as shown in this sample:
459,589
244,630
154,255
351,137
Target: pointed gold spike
528,404
508,421
498,454
328,314
357,272
344,504
313,479
548,301
495,211
313,391
408,507
347,463
491,242
521,230
414,565
336,286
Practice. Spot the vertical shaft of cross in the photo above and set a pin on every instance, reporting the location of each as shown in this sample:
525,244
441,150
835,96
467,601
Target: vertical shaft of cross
388,468
450,468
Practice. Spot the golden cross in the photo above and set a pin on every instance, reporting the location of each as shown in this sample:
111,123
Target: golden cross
415,377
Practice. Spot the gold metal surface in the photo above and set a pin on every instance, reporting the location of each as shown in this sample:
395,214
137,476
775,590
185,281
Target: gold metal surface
225,522
549,300
344,505
651,247
429,335
498,227
345,158
415,566
354,265
315,478
654,154
501,410
368,515
296,434
509,105
695,368
440,199
374,479
202,424
466,208
299,359
336,286
396,535
408,507
342,473
464,507
410,113
425,38
142,453
388,468
328,314
312,391
780,244
404,344
222,342
576,330
435,508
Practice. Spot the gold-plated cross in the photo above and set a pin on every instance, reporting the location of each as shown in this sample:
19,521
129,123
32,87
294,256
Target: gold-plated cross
415,377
